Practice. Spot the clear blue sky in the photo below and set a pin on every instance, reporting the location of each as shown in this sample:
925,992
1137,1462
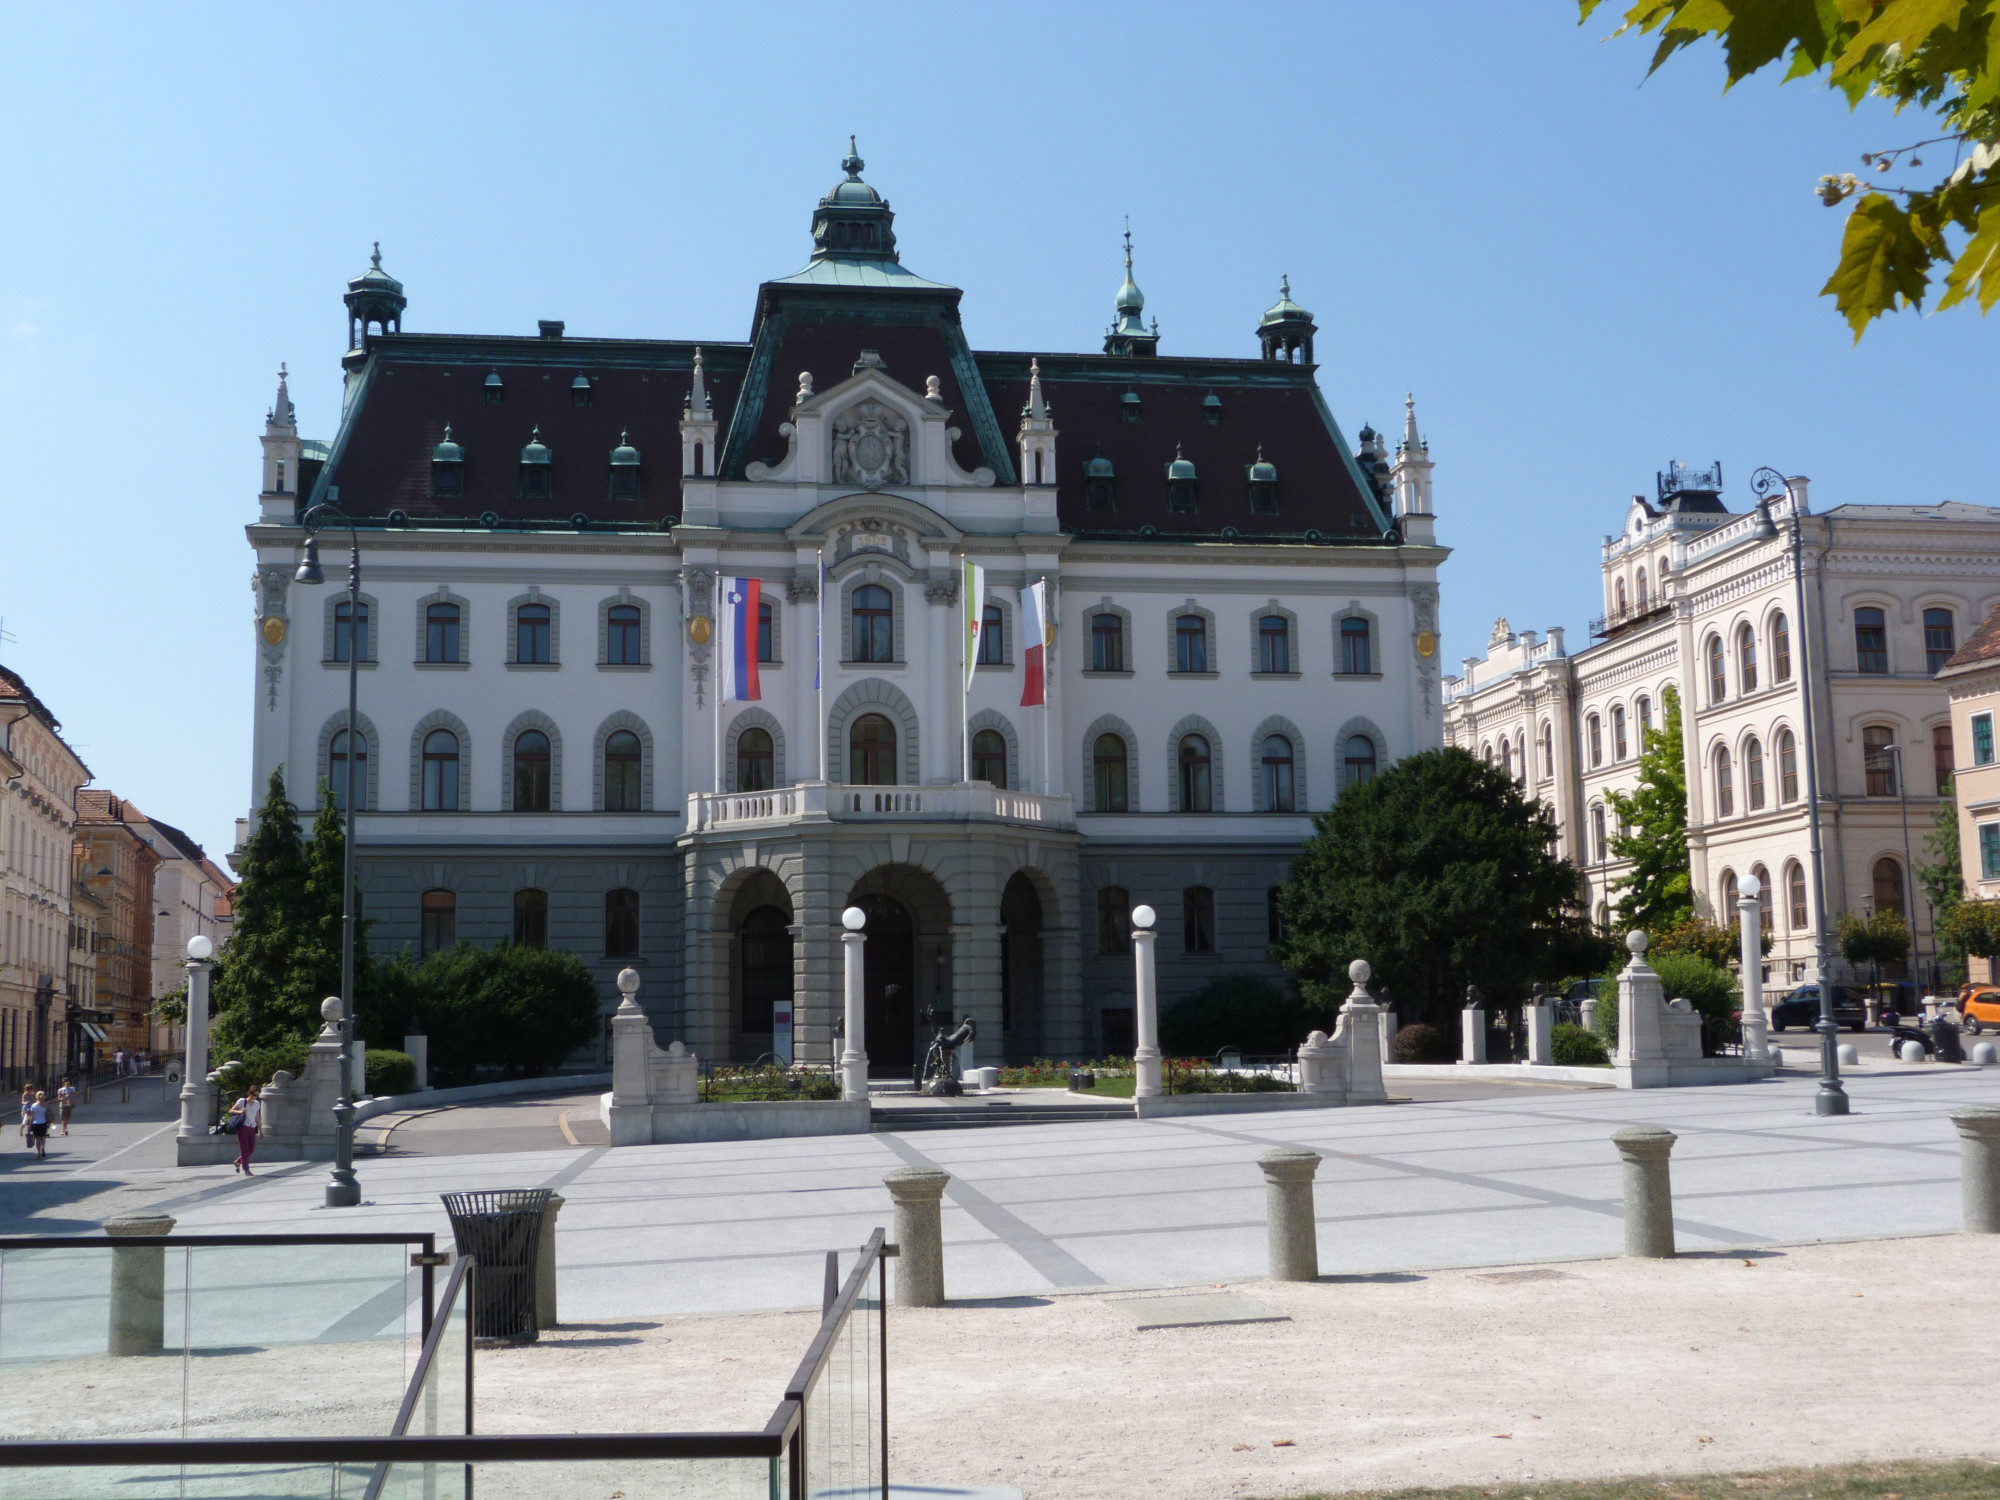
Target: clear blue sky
1580,277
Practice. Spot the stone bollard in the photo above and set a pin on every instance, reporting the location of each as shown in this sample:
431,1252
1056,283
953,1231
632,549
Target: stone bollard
1472,1027
138,1285
1586,1012
419,1049
1913,1052
1985,1054
545,1265
919,1194
1288,1211
1848,1054
1649,1196
1541,1028
1979,1166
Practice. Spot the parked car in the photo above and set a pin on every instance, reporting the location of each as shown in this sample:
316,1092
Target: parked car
1801,1008
1980,1005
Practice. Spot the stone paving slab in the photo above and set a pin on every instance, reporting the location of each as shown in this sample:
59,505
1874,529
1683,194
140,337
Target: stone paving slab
1199,1310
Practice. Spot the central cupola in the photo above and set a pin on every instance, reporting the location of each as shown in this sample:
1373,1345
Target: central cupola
853,222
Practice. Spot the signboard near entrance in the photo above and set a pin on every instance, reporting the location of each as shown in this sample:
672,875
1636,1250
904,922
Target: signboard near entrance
781,1033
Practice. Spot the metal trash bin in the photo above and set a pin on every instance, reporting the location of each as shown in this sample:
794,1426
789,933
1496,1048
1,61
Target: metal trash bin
502,1230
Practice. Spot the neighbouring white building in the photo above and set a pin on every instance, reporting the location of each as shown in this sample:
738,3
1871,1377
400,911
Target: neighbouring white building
1739,613
1243,611
191,896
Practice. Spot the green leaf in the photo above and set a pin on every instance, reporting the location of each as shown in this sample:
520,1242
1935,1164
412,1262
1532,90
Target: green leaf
1976,271
1902,23
1760,34
1881,259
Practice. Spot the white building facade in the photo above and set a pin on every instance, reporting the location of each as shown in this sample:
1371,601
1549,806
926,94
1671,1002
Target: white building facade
1243,614
1861,605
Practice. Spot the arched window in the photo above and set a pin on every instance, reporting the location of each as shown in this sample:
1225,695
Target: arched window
992,637
1548,751
1506,756
1486,754
756,761
1618,742
531,918
871,751
1642,710
1788,767
621,636
1746,658
767,967
1939,639
1597,833
1878,759
1521,754
1941,758
621,923
1274,644
1795,895
336,770
1718,671
1644,597
531,771
1887,882
1357,761
1619,606
989,758
1357,658
1198,919
874,624
621,772
1593,735
1107,643
766,632
437,922
531,634
1190,644
440,771
1725,783
1196,793
1277,760
350,631
1727,915
1114,919
1781,648
1763,897
1753,773
1107,758
1275,930
441,632
1871,641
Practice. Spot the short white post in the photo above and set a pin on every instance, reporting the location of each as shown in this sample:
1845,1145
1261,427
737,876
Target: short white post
1290,1230
1756,1042
197,1094
419,1050
918,1193
1541,1033
1472,1027
854,1053
1359,1018
545,1265
1146,1005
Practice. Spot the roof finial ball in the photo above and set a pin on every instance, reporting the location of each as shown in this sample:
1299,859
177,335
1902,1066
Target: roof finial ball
1285,332
375,301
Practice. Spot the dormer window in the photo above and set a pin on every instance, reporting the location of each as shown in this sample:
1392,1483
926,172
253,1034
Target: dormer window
624,469
579,391
1263,487
1211,409
1180,484
447,469
494,389
537,469
1098,492
1129,406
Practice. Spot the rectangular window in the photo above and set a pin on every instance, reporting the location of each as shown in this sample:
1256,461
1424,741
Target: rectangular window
1274,914
1107,643
992,637
766,632
1274,644
1878,759
1941,758
1871,641
531,918
531,634
1938,640
350,632
621,923
1356,659
1982,739
1989,851
1198,919
439,929
621,636
1114,919
441,632
1191,644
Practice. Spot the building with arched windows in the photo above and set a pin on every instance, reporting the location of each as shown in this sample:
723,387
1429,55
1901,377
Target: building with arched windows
1242,620
1718,613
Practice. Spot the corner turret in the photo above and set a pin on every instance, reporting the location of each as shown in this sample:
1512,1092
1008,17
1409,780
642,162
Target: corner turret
1129,335
1411,475
280,495
1286,330
1037,434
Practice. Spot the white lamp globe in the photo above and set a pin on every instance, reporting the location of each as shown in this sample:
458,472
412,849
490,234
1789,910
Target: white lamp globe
854,919
1750,886
200,948
1143,916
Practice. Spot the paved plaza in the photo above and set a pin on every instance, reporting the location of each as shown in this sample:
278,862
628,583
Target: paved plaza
1520,1177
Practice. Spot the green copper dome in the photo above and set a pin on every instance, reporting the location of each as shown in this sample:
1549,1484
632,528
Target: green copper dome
1180,468
537,452
625,456
1284,310
447,452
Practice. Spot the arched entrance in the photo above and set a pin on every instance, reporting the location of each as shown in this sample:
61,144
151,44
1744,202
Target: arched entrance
907,946
760,967
1021,1009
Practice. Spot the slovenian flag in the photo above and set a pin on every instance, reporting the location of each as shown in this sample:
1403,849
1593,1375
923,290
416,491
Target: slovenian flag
1034,641
740,598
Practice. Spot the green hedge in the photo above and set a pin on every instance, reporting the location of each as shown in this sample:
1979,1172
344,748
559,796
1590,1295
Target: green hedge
390,1072
1255,1015
1573,1047
1421,1043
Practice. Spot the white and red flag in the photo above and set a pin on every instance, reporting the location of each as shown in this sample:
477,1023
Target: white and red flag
1034,643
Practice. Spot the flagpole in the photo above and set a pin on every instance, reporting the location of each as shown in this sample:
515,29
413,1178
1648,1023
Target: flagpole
721,675
965,617
819,668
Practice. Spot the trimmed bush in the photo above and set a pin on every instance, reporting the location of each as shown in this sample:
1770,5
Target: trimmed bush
390,1071
1246,1011
258,1065
1573,1047
519,1012
1709,989
1420,1044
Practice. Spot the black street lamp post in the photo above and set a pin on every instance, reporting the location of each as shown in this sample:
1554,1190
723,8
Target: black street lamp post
343,1188
1831,1099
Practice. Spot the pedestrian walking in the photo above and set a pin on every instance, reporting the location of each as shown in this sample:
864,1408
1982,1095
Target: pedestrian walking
249,1113
66,1103
118,1063
27,1103
38,1122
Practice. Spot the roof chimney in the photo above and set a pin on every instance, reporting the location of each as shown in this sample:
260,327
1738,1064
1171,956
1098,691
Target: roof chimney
551,328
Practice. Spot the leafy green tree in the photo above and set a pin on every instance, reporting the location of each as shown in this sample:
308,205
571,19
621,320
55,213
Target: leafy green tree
1877,940
258,996
1943,878
1439,873
511,1009
1257,1016
1713,942
1971,928
1658,891
1708,987
1941,57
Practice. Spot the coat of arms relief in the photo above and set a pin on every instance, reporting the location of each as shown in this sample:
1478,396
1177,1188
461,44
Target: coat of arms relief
871,446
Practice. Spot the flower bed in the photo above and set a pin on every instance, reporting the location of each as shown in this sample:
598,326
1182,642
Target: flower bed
768,1084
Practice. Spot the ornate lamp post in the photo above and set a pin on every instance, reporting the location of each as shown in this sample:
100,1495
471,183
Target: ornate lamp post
1831,1098
343,1188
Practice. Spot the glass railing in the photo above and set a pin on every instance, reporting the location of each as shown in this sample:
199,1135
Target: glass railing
246,1429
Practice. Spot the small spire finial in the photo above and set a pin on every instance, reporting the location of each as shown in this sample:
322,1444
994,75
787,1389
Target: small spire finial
375,260
698,394
1284,287
852,163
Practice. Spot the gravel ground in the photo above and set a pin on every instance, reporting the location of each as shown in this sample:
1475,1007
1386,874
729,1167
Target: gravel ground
1711,1363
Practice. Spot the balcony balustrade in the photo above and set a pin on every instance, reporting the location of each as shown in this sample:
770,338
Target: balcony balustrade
829,802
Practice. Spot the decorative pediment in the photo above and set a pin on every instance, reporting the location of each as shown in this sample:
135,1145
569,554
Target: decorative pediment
884,524
869,431
871,534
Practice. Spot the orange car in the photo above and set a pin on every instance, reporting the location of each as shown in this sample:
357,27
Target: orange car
1980,1005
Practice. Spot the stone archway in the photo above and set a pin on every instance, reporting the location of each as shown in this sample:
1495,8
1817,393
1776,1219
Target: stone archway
908,944
1022,1008
760,961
